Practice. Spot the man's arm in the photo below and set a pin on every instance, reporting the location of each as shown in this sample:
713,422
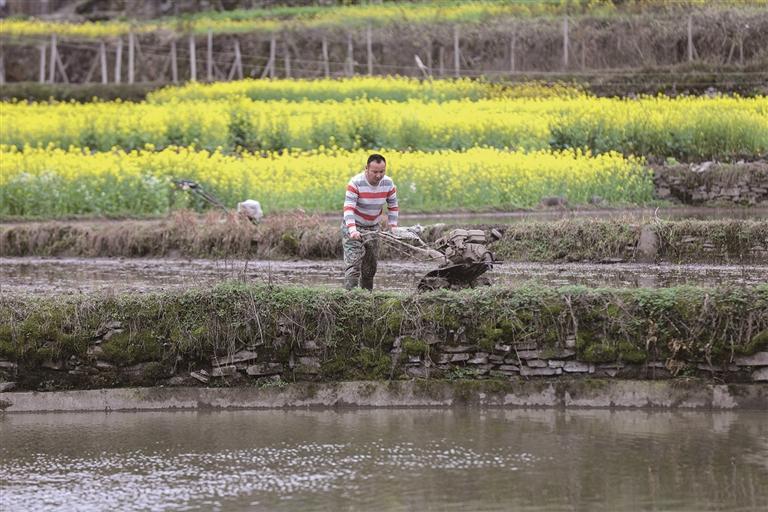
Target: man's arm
393,211
350,202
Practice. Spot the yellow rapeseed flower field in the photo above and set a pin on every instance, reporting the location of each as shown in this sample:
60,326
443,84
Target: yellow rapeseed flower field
55,182
393,88
684,127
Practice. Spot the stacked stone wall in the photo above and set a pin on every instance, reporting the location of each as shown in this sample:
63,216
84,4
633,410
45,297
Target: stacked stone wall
714,183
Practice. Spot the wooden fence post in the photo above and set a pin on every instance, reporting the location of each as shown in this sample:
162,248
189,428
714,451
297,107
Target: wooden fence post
287,57
326,65
512,44
441,60
131,58
209,57
103,62
741,49
272,56
174,63
566,43
41,76
456,54
369,48
350,56
118,59
52,66
238,60
192,58
2,67
62,69
690,38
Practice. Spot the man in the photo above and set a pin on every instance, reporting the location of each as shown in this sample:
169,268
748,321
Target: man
366,194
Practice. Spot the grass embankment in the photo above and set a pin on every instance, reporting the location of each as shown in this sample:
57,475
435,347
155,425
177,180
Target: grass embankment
310,237
352,333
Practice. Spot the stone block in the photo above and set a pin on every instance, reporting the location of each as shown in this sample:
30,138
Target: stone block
310,362
444,358
264,369
554,363
414,359
458,358
201,376
479,359
577,367
501,347
7,386
760,375
241,356
7,365
539,372
647,245
417,372
224,371
561,354
757,359
310,345
457,349
570,341
536,363
103,365
716,368
610,366
112,325
433,340
51,364
509,368
528,354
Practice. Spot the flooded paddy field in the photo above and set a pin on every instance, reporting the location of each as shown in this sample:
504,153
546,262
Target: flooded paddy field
40,276
385,459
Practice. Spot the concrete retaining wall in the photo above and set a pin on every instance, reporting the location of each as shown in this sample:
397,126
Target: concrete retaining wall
572,394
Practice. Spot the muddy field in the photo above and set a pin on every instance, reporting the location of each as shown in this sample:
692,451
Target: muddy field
42,276
627,214
54,273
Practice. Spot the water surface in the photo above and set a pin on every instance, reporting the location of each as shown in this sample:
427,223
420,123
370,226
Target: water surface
442,460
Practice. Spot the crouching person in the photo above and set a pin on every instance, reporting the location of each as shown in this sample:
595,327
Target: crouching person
364,201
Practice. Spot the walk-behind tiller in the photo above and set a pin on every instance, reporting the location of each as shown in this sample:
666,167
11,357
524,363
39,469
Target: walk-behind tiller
461,254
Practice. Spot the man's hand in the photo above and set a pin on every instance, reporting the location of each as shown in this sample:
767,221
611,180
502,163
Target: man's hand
355,235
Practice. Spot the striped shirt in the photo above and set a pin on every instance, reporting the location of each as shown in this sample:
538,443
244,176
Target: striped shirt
363,203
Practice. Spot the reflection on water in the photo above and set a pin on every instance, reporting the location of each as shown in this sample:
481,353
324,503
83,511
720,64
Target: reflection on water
42,275
385,460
